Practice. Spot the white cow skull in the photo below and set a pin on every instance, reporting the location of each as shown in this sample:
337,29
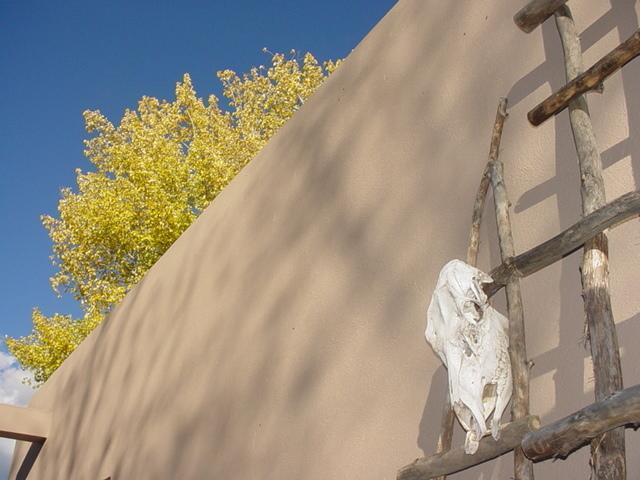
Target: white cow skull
471,339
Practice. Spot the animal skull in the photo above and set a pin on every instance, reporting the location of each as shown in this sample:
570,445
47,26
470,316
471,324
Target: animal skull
471,339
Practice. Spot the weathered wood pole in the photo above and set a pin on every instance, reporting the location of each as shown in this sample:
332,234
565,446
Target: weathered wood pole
456,460
568,241
535,13
587,81
560,438
447,420
608,450
478,206
523,468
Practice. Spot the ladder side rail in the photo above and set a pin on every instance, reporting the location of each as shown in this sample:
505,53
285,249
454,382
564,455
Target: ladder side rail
523,468
447,420
607,451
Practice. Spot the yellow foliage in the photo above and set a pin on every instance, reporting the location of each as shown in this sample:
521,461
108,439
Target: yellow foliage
53,339
152,175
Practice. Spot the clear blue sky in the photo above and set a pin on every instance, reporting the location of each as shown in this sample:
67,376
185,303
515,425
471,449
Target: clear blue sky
60,58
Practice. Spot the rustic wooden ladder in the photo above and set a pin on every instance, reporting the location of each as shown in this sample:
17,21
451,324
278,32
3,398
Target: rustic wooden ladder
603,422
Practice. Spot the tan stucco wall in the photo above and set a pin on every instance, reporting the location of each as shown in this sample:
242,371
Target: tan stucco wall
281,336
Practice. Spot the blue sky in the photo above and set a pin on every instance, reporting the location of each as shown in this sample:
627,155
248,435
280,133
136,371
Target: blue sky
61,58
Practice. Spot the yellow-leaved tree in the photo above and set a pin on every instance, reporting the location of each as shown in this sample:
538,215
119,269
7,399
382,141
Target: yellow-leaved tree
152,175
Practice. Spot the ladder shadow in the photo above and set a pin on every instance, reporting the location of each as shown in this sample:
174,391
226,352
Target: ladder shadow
568,376
568,369
623,18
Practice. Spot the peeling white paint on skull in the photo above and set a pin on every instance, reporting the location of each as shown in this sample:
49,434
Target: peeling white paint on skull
471,339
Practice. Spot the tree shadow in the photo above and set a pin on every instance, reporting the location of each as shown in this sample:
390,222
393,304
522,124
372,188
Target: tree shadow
281,335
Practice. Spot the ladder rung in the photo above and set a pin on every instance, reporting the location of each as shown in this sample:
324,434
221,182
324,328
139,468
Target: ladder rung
560,438
620,210
535,13
589,80
456,460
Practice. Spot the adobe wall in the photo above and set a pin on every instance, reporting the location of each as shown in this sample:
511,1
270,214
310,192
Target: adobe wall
281,336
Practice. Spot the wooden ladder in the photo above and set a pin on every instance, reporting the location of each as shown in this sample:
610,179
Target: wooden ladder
602,423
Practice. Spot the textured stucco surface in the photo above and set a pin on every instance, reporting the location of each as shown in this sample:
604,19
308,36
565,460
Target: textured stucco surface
281,336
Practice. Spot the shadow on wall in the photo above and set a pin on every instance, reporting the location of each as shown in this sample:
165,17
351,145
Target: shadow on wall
195,377
569,375
28,461
213,366
567,361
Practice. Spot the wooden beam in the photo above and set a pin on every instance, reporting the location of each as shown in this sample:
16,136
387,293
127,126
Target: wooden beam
587,81
523,469
456,460
620,210
535,13
27,424
28,461
560,438
608,451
